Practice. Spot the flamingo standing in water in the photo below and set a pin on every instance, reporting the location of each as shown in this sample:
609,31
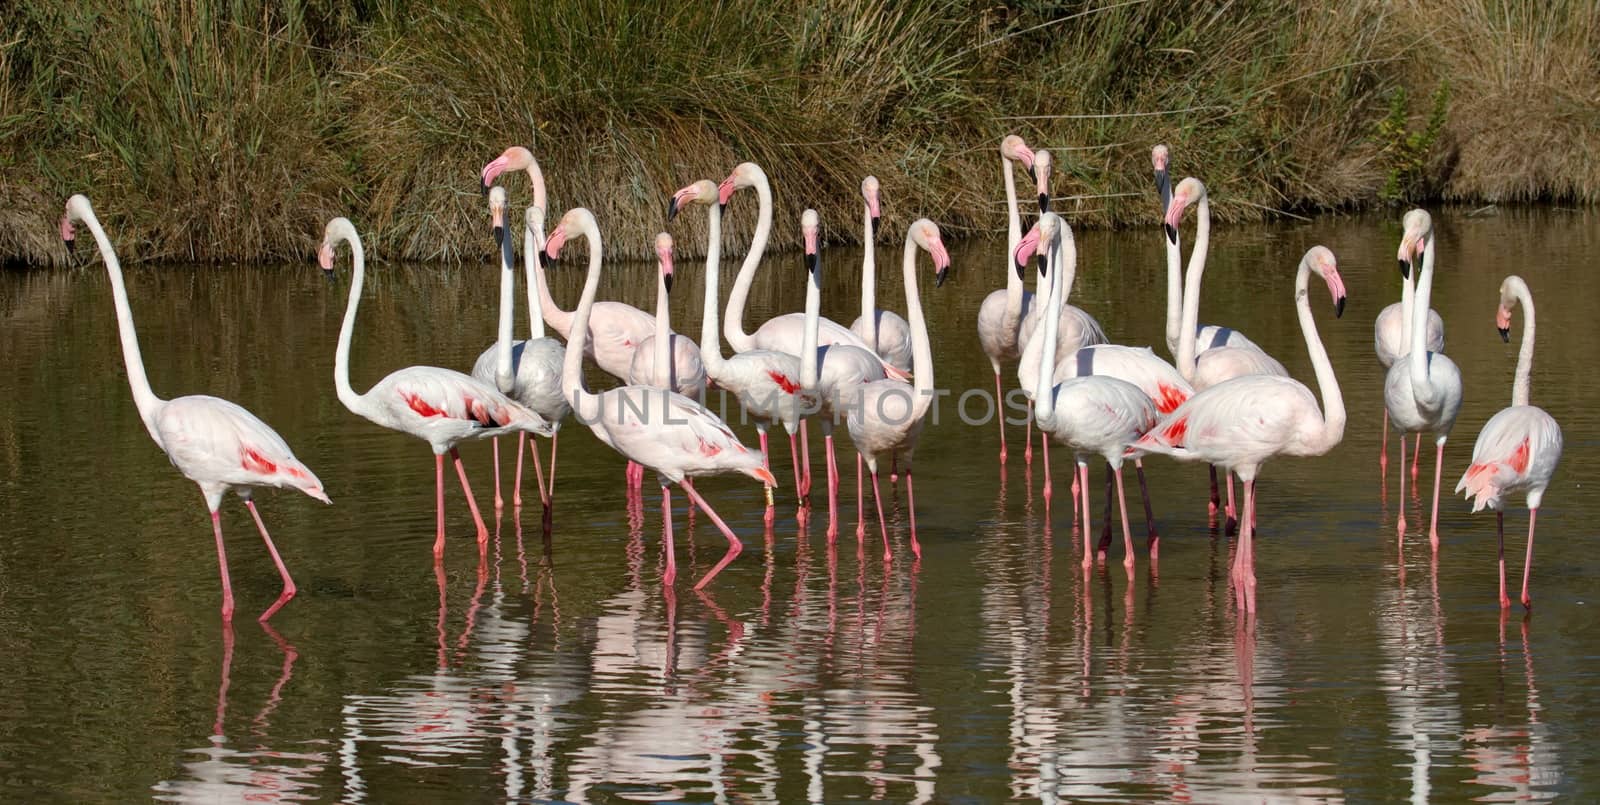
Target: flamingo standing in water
1519,447
658,428
766,382
1422,390
440,406
527,371
886,417
884,330
1242,423
1092,414
665,360
1000,315
213,442
1391,338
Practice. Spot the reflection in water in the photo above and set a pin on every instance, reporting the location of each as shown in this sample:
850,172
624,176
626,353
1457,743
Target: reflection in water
1418,678
1518,756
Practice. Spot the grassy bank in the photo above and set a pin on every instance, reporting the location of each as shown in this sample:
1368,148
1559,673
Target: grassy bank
218,130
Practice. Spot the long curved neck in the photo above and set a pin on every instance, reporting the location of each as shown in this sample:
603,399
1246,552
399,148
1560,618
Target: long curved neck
1014,285
532,245
710,346
921,349
143,397
1202,238
1188,328
341,358
733,319
663,341
1043,399
1407,306
1419,319
1333,415
1175,294
558,319
508,286
808,339
1521,389
869,279
586,405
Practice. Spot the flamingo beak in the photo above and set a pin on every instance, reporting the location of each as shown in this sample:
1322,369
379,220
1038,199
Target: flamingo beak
490,172
672,209
1025,156
725,191
941,262
1044,202
1336,288
69,235
1026,248
552,246
1338,307
1175,209
813,257
1164,190
507,254
325,260
1502,322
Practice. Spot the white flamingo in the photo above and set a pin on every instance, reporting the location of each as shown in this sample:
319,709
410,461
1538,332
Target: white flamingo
766,382
1208,336
1092,414
1000,315
684,373
440,406
213,442
1242,423
527,371
1519,447
680,441
887,416
1391,338
1422,391
883,330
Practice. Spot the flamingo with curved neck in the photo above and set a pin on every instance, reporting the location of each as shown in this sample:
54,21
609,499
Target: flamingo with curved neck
1391,338
658,428
215,443
884,330
439,406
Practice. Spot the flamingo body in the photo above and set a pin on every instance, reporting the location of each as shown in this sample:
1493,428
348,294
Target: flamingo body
1140,366
688,373
1517,451
444,408
1388,334
536,366
218,444
894,338
1414,408
1221,364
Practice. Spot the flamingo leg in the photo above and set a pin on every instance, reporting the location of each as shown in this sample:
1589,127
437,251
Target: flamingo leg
833,488
1046,443
766,463
1027,440
516,481
794,458
805,459
1438,471
1082,471
894,467
1527,561
1246,555
472,502
1105,521
288,583
1127,534
1500,526
1415,455
883,523
911,511
1401,525
499,502
438,487
1216,500
550,497
1152,539
861,504
671,573
222,564
538,470
1383,455
1000,416
734,545
1231,525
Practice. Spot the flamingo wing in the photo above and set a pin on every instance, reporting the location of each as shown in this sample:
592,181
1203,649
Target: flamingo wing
426,395
210,439
1242,421
1518,448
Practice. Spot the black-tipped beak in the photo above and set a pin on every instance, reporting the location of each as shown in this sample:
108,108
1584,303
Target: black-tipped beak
71,244
1044,266
507,254
1022,271
1044,203
722,209
872,229
1172,233
667,282
672,208
813,261
1031,175
499,236
545,260
1164,188
1338,307
1505,334
327,274
1405,269
941,276
483,187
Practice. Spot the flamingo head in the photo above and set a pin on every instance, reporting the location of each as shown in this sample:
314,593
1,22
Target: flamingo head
925,234
1041,178
869,193
1189,191
576,219
337,229
515,158
1321,260
74,212
1158,159
497,213
1502,316
1416,229
664,258
1016,150
810,232
747,174
1026,249
701,192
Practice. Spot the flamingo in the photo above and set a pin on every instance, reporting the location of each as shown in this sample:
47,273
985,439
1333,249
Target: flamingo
1422,390
215,443
886,416
1519,447
1000,315
655,363
884,330
1092,414
439,406
766,382
683,441
527,371
1207,336
1391,339
1243,422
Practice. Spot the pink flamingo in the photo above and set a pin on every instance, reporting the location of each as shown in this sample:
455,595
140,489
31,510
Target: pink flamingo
1422,390
1391,339
766,382
1243,422
682,441
213,442
1092,414
1000,315
440,406
884,330
665,360
527,371
887,415
1519,447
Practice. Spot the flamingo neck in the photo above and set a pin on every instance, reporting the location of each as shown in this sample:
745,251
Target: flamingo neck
1175,293
808,339
1188,328
1408,300
733,319
143,397
1044,399
558,319
503,379
663,371
1015,289
341,358
532,245
536,180
1418,333
586,405
1202,242
710,346
921,349
1521,388
869,279
1333,414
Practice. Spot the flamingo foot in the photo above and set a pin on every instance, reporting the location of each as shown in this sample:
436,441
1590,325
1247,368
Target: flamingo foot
1527,602
283,598
1505,602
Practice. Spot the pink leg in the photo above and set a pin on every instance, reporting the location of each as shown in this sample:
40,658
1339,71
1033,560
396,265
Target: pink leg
1250,547
861,502
550,497
1500,524
1383,457
516,482
222,564
1438,471
794,458
1416,453
1401,524
766,462
472,502
1027,440
911,511
538,470
734,545
1152,539
833,489
1000,417
288,583
438,485
1231,525
1045,442
883,524
499,502
894,467
1082,473
671,573
1216,500
1105,525
1127,535
805,460
1527,561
